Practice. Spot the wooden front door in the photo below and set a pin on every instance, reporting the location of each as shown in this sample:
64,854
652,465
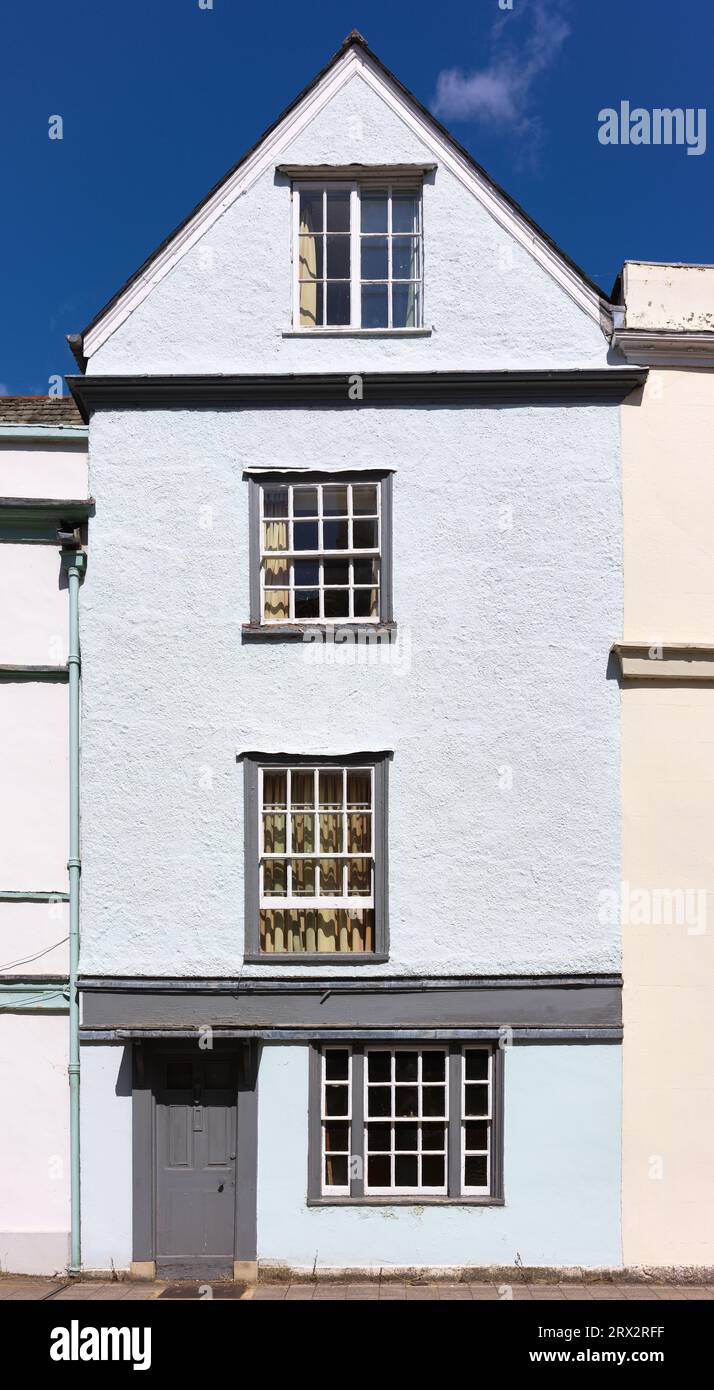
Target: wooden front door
195,1164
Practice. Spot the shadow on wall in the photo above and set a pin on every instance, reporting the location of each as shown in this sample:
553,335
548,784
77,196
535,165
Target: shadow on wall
124,1075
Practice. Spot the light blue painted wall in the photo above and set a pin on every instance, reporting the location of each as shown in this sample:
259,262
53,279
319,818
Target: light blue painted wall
225,306
106,1156
562,1175
504,790
505,820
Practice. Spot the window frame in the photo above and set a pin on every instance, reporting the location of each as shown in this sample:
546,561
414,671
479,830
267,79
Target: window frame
378,762
291,899
355,187
292,627
404,1190
456,1193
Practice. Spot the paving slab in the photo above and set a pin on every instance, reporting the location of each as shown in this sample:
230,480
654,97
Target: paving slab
28,1288
637,1293
308,1291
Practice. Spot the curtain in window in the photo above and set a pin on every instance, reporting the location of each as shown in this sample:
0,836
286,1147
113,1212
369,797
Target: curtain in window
276,535
410,319
331,797
274,817
307,265
311,930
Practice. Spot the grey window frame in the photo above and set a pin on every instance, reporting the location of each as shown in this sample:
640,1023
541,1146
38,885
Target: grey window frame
379,761
296,477
454,1197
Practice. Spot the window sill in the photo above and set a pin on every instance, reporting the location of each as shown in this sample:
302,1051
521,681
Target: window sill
301,958
406,1201
357,332
296,632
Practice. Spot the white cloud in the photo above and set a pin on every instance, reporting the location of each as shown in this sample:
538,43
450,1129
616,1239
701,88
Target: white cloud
524,43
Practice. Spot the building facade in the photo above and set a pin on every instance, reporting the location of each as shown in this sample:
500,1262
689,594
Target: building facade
667,661
43,498
395,774
351,727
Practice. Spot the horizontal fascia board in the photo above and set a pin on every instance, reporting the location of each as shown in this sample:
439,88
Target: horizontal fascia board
32,996
355,171
45,509
256,470
533,385
51,434
259,984
657,348
519,1035
8,674
665,661
19,895
327,1006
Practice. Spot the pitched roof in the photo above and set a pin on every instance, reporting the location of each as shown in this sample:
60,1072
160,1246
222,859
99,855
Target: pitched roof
501,205
39,410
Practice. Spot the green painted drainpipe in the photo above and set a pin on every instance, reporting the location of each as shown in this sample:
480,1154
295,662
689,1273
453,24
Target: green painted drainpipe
75,563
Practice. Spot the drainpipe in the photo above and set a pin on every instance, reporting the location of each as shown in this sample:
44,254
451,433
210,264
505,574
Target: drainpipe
74,561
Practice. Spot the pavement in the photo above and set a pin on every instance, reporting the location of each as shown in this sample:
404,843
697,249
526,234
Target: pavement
24,1288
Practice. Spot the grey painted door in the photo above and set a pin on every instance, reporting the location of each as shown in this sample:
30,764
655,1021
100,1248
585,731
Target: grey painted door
195,1164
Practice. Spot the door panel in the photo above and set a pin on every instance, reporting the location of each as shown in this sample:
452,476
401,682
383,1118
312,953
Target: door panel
195,1164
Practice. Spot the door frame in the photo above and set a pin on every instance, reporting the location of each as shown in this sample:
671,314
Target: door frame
145,1060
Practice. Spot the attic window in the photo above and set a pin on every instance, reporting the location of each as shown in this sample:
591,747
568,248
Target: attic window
358,260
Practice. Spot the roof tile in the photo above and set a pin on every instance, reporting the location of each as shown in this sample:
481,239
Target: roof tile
39,410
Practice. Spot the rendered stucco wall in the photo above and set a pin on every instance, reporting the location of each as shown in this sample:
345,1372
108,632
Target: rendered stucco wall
34,1143
33,751
33,606
562,1176
668,1115
504,788
668,498
674,297
34,468
668,808
227,304
33,755
106,1130
34,1134
33,938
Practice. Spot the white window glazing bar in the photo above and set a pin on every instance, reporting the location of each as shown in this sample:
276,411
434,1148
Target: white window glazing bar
486,1119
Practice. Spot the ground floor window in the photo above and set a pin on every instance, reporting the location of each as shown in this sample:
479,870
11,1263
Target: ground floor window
406,1121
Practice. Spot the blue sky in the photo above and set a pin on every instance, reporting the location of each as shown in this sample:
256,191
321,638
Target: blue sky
160,97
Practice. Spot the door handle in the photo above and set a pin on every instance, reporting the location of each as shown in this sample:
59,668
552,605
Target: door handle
220,1186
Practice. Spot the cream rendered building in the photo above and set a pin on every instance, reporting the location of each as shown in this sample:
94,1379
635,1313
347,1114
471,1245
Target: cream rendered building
668,767
43,491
